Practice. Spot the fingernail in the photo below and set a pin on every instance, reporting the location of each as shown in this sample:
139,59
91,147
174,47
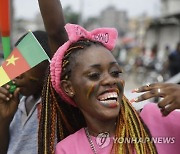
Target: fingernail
7,86
10,95
135,90
133,100
7,99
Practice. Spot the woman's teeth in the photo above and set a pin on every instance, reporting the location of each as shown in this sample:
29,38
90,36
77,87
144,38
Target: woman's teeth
109,99
108,96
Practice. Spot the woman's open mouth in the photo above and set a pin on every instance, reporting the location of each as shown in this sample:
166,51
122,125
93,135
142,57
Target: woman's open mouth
109,99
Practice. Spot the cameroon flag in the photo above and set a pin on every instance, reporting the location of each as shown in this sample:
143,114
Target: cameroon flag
26,55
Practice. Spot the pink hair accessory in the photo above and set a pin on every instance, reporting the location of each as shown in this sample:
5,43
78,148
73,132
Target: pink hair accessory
107,36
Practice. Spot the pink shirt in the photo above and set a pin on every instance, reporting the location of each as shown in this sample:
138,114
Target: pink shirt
78,143
163,129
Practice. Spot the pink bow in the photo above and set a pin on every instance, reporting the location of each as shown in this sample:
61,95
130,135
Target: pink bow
107,36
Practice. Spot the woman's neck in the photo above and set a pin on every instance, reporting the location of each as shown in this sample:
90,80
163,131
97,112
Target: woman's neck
95,127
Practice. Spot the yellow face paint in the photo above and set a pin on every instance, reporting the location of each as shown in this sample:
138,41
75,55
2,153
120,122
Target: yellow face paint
90,90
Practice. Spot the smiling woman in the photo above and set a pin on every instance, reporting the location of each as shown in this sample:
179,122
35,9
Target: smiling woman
85,74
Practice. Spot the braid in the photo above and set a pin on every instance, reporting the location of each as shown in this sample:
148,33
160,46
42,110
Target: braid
57,119
69,60
130,126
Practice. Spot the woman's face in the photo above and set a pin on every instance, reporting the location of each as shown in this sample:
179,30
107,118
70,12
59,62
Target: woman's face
97,83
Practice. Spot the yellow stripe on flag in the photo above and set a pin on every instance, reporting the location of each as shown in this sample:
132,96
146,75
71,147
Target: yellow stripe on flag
3,77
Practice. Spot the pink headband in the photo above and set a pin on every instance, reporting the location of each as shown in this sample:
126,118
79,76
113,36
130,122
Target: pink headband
107,36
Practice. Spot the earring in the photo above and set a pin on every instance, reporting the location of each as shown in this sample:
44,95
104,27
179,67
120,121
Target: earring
72,94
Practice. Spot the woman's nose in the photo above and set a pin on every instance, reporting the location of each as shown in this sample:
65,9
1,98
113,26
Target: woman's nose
108,80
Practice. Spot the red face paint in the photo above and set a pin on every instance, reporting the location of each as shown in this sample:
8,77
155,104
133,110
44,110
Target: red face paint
92,89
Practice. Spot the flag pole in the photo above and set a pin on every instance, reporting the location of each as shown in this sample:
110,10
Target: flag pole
5,26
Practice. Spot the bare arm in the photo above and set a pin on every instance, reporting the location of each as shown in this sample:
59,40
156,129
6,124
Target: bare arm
52,14
4,136
8,106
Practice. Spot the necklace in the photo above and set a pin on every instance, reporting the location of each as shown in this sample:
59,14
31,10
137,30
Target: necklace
90,141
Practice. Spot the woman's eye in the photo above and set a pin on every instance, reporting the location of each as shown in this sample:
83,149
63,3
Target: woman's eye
116,73
94,76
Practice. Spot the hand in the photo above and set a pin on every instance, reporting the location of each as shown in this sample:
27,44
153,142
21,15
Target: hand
8,103
168,91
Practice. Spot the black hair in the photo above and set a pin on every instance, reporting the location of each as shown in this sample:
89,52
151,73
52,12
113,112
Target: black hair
42,38
57,116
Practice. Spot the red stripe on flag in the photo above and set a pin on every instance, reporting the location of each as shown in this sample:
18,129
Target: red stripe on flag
15,64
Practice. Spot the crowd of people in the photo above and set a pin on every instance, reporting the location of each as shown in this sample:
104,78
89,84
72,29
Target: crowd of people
64,106
150,64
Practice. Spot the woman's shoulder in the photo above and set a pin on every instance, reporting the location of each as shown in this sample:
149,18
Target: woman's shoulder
163,129
153,118
149,107
71,137
69,142
152,110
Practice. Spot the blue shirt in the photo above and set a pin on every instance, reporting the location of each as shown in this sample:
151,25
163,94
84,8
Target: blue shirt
24,130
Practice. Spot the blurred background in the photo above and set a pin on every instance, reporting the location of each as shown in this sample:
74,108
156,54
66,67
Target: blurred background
149,33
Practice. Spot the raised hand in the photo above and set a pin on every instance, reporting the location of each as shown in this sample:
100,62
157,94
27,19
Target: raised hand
54,22
168,91
8,103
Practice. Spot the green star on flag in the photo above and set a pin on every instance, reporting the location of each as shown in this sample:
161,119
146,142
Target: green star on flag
27,54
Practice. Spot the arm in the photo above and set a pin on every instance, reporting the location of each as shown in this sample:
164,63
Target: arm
52,14
4,136
8,107
168,91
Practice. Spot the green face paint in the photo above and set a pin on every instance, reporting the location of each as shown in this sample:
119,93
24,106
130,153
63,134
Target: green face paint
120,86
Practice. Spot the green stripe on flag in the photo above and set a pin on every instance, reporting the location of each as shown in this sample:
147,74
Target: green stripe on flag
31,50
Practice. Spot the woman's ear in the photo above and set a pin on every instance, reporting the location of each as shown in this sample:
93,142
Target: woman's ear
67,87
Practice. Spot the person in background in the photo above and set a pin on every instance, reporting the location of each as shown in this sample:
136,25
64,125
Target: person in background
54,23
55,37
174,61
19,116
